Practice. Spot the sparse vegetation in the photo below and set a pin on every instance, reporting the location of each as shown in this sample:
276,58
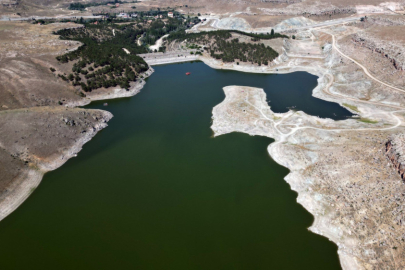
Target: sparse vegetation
351,107
368,121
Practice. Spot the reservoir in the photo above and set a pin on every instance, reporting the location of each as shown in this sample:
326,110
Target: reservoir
155,190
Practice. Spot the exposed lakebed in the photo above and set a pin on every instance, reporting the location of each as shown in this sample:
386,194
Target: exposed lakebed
155,191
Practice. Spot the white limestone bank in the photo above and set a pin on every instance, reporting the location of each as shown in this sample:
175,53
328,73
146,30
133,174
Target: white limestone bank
336,167
333,168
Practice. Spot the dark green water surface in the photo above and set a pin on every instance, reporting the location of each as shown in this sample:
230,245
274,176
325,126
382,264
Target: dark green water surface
154,190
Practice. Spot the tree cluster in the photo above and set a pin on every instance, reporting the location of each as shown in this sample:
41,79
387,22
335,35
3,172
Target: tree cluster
81,6
220,45
101,60
230,51
158,28
260,36
197,37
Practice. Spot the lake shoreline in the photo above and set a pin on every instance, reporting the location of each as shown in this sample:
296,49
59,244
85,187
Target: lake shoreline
257,99
320,226
23,186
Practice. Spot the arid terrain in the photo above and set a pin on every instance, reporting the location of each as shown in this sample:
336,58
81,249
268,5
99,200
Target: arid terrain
40,128
349,174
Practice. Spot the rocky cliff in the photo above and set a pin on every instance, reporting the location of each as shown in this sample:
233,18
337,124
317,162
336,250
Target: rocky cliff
301,9
392,50
395,151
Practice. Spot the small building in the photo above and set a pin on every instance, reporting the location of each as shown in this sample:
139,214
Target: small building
170,14
122,15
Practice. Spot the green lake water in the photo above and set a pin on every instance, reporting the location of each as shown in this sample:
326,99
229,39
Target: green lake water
155,190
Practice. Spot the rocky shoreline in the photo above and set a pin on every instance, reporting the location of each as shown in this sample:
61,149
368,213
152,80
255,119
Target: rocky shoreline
41,126
25,183
306,145
362,245
337,168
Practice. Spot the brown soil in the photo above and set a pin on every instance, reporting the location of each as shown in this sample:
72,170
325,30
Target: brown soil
37,132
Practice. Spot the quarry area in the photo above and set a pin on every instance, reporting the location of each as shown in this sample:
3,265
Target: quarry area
349,174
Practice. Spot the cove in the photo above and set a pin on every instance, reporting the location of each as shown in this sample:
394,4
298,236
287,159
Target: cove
155,190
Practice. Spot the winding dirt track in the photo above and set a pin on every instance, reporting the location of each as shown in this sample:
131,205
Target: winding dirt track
326,90
296,128
334,45
331,80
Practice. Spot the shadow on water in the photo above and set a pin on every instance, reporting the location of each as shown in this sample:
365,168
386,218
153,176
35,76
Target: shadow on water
155,191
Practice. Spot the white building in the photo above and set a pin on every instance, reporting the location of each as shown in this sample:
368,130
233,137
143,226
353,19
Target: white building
122,15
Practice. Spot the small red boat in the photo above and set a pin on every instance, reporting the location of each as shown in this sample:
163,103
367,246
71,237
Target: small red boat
188,73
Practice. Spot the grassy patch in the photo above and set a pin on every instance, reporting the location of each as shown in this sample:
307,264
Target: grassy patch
351,107
368,121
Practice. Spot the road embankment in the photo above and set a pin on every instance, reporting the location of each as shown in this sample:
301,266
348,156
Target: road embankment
160,58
